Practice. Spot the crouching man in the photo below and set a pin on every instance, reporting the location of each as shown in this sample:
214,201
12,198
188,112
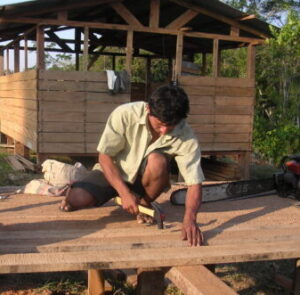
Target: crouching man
134,152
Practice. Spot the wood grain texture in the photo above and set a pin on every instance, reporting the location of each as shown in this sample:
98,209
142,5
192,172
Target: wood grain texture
198,280
36,237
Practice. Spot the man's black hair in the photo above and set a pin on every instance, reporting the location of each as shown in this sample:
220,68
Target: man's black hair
169,104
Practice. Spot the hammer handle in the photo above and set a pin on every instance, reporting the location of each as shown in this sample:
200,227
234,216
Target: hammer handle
142,209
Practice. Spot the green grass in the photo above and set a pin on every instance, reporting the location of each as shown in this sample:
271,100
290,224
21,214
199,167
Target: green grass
5,170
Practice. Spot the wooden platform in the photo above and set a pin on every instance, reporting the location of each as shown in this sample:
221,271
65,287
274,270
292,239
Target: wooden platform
36,237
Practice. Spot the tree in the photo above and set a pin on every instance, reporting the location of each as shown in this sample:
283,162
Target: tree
277,113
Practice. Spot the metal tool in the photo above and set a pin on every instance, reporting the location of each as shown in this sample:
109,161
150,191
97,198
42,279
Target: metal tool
156,212
285,183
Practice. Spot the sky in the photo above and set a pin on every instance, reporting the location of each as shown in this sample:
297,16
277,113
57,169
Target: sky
7,2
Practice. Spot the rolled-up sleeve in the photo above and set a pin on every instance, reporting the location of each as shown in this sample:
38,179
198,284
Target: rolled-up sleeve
189,162
112,140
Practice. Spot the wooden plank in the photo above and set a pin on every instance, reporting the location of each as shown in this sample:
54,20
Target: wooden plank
211,81
198,280
235,91
122,10
232,119
23,94
73,76
183,19
61,148
154,13
205,91
52,85
14,163
19,103
234,101
61,96
111,259
21,76
67,106
62,116
57,127
21,85
67,137
233,110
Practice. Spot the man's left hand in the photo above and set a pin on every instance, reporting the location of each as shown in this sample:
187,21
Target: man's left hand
192,233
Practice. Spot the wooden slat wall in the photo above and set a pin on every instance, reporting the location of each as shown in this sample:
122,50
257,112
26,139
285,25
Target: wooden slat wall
18,107
73,109
221,111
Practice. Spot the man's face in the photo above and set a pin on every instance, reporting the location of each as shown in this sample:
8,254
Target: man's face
158,126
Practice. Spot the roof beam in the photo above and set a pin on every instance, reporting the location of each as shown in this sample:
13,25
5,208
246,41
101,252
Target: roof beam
56,7
154,14
126,14
221,18
182,19
56,39
55,22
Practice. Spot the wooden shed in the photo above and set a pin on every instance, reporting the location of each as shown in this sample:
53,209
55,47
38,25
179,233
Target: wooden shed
63,112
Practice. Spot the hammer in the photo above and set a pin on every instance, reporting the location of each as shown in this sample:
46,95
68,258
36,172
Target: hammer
155,212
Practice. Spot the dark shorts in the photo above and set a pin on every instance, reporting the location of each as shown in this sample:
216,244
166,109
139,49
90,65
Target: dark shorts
96,184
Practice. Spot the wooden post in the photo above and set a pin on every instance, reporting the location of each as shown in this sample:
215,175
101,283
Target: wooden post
179,52
86,49
17,57
95,282
21,149
1,62
25,53
129,51
114,62
40,50
204,64
148,75
251,62
216,59
297,278
244,160
150,281
7,61
77,47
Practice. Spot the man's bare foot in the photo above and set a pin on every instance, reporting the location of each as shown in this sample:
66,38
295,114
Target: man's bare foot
143,218
65,207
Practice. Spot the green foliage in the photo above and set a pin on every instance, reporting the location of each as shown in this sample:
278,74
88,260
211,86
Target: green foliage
234,63
277,120
5,170
272,145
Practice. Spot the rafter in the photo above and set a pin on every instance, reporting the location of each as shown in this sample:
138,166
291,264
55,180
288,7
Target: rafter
64,7
154,14
221,18
56,39
182,19
126,14
98,25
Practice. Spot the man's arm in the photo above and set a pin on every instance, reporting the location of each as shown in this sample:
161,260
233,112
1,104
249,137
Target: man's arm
113,176
190,230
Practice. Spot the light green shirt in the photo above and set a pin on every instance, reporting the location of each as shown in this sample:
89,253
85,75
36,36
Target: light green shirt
126,138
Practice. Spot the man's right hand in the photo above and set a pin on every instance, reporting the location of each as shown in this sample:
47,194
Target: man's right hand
130,203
